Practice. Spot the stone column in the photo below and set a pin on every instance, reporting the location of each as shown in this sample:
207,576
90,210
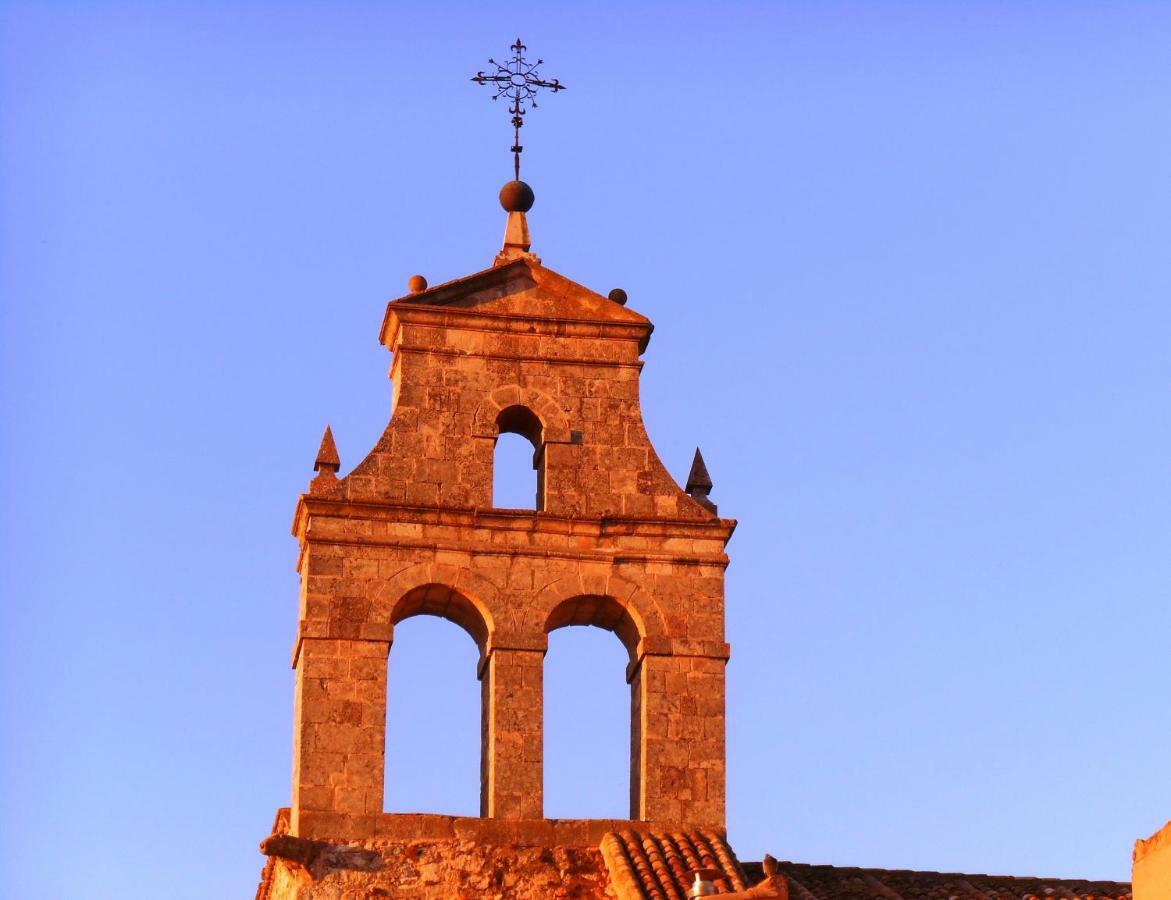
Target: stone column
511,730
339,737
677,739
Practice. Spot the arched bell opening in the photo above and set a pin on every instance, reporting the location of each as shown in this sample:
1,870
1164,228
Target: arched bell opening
591,733
433,703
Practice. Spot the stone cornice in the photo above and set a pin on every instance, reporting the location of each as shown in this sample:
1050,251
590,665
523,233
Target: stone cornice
401,349
584,833
529,521
508,323
516,522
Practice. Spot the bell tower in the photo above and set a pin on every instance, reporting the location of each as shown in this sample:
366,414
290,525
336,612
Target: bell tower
411,530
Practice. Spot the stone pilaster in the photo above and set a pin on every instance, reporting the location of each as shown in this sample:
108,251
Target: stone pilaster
511,756
677,729
340,740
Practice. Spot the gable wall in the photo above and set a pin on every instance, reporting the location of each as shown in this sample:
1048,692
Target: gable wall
411,531
438,446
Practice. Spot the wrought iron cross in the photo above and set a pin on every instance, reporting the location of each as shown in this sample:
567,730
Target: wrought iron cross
518,81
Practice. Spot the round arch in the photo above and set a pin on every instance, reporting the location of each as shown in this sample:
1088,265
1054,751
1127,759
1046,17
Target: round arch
451,593
608,601
445,602
600,611
554,424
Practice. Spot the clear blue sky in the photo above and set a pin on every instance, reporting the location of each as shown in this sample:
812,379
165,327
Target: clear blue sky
908,265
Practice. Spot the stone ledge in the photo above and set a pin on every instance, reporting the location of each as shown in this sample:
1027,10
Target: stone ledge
422,827
717,560
527,521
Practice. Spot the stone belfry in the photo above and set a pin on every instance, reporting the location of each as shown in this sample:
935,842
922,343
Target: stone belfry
411,530
611,541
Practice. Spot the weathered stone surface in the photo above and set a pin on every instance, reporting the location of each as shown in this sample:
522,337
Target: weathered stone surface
613,543
432,856
320,858
454,869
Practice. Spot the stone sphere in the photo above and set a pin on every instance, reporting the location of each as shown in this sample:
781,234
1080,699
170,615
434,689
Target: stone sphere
416,284
516,196
618,296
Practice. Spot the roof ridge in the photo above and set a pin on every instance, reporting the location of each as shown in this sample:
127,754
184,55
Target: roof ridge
963,875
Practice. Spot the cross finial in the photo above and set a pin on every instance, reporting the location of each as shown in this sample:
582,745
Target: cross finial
518,81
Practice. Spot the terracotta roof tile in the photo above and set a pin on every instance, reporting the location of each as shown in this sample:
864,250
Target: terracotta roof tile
808,882
655,865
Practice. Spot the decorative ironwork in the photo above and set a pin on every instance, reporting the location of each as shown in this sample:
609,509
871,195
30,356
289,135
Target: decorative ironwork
518,81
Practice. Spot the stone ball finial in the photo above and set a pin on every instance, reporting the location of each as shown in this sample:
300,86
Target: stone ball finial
617,296
416,284
516,196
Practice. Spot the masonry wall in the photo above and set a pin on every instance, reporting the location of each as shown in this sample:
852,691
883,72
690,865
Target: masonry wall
453,376
411,531
427,857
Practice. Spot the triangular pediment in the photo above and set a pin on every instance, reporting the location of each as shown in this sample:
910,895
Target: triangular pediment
523,288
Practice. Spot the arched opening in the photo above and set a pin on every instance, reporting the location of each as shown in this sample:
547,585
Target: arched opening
591,743
519,453
433,704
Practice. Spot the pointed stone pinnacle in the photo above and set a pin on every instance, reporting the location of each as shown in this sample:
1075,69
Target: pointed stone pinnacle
327,458
699,482
698,478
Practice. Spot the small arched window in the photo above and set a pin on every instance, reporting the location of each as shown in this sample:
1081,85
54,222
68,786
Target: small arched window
520,449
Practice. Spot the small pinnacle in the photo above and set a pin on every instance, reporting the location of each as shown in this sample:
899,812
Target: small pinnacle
617,296
416,284
327,458
699,482
698,479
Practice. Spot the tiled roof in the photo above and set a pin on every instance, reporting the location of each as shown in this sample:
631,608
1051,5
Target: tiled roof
655,865
808,882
